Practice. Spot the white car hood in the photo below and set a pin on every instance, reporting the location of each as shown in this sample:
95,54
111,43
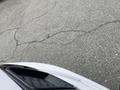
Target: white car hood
76,80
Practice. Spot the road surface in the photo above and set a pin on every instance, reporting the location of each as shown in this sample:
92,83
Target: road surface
80,35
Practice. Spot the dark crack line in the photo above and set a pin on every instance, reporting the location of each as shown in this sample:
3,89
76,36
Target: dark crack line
100,26
16,44
7,30
49,36
16,41
45,13
1,33
93,30
79,31
30,42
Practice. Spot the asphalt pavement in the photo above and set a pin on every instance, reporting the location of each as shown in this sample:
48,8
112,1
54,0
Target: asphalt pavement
79,35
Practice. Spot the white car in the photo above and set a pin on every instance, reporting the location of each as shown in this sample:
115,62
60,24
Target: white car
39,76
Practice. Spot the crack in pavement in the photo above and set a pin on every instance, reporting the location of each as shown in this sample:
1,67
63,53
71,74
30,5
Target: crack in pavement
1,33
94,30
16,41
50,36
10,29
45,13
57,33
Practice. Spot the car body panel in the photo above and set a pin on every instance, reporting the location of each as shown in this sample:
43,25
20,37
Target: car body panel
76,80
6,83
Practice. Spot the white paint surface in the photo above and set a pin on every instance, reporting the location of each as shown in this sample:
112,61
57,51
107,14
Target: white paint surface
7,83
76,80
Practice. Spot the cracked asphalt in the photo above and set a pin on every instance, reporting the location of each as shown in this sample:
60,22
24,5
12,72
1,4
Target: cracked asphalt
79,35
